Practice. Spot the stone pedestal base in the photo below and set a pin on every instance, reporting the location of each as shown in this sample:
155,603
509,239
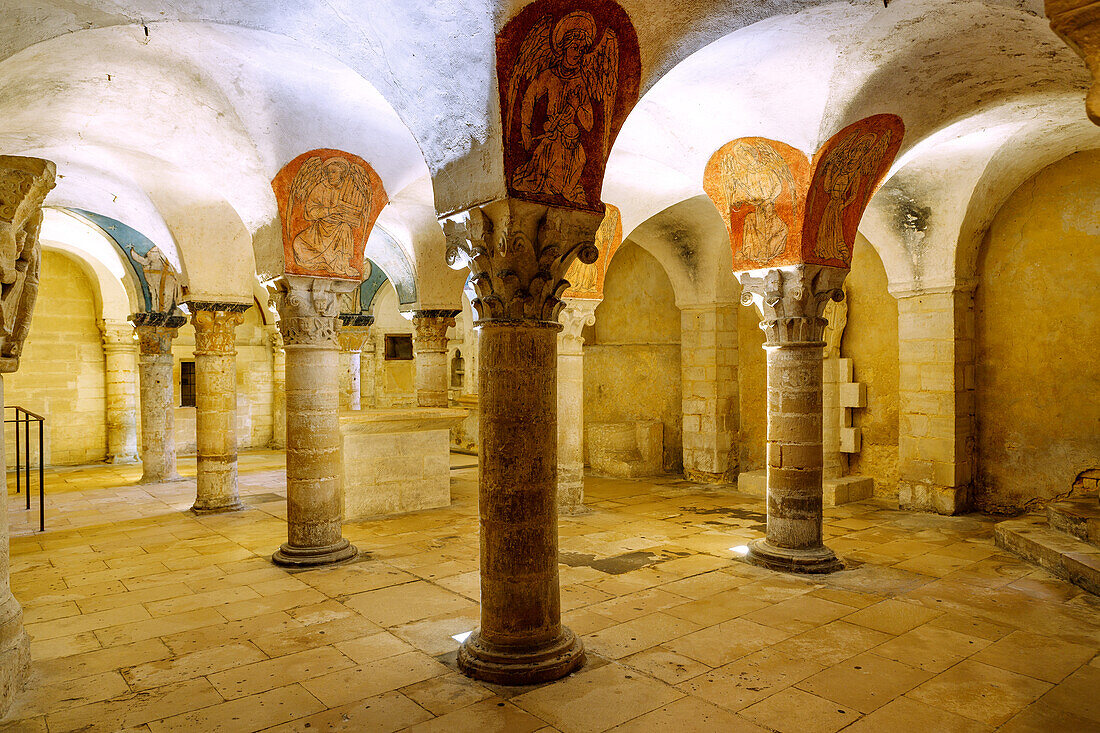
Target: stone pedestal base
15,655
503,666
238,506
835,491
947,500
297,557
626,449
815,560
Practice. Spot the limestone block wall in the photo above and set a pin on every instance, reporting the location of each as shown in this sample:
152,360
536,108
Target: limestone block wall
708,354
1038,330
394,381
62,370
632,353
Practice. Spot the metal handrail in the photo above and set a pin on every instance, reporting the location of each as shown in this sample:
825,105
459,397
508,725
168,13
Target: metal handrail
25,464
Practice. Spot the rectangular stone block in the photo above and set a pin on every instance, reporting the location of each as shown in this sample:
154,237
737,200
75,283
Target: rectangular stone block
852,394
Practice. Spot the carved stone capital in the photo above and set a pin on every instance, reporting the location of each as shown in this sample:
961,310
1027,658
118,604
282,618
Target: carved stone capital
576,313
24,183
1077,22
215,331
792,299
156,340
430,329
309,309
117,335
518,253
352,338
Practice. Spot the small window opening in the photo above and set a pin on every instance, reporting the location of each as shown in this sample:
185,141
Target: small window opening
187,384
399,347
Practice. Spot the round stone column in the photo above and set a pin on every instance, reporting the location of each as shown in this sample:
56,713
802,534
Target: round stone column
577,314
791,301
158,406
216,405
314,465
278,387
353,334
15,654
430,351
119,350
521,639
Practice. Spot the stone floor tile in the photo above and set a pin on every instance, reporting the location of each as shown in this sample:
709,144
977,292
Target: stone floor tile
978,691
435,635
279,643
163,626
442,695
931,648
749,679
665,664
865,682
795,711
102,660
725,642
65,646
798,614
254,712
188,666
373,647
718,608
1038,656
689,715
407,602
905,714
374,678
641,633
972,626
385,713
832,643
634,605
1041,718
134,709
249,679
1078,694
892,616
597,699
40,696
488,716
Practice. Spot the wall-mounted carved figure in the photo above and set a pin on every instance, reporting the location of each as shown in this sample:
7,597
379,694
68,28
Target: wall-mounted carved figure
568,75
24,183
165,290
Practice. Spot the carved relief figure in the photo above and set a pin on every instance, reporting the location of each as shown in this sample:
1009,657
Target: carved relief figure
328,201
756,176
586,280
165,291
567,93
24,183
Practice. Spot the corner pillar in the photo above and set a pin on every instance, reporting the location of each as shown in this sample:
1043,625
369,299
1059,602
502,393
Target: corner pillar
936,400
158,410
308,320
216,405
518,253
119,350
791,301
577,313
711,405
354,332
430,351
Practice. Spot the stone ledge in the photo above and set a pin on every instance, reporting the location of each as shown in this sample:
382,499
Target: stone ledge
1033,539
1078,517
836,491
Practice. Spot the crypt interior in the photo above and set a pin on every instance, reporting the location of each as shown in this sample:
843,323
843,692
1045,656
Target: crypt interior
568,365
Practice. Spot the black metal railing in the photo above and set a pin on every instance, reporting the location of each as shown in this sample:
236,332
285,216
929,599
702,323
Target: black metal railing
23,419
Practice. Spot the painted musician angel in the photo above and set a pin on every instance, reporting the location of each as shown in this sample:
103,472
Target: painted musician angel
335,196
563,63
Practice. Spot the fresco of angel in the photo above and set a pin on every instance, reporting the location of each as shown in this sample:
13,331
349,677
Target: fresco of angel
165,291
563,63
845,178
754,174
335,196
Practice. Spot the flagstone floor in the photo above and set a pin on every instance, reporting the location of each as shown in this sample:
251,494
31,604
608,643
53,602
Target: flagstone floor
146,618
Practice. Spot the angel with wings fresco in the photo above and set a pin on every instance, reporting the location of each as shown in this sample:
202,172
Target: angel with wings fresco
335,196
563,63
756,176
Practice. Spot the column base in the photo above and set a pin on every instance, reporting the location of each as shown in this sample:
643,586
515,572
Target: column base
15,663
158,480
785,560
235,507
299,557
524,666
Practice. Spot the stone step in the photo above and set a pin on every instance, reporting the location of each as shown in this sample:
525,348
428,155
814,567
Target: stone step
1078,517
1062,554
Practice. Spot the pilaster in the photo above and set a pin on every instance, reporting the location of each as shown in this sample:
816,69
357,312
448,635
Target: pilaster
120,349
575,315
354,333
155,333
708,378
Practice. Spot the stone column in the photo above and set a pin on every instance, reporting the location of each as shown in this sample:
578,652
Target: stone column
216,404
308,310
936,400
518,253
24,183
711,406
119,350
354,332
576,314
430,351
791,301
158,405
278,387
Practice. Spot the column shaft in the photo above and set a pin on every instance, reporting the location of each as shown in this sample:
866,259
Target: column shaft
216,409
158,408
15,654
430,352
576,314
521,639
119,349
278,389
